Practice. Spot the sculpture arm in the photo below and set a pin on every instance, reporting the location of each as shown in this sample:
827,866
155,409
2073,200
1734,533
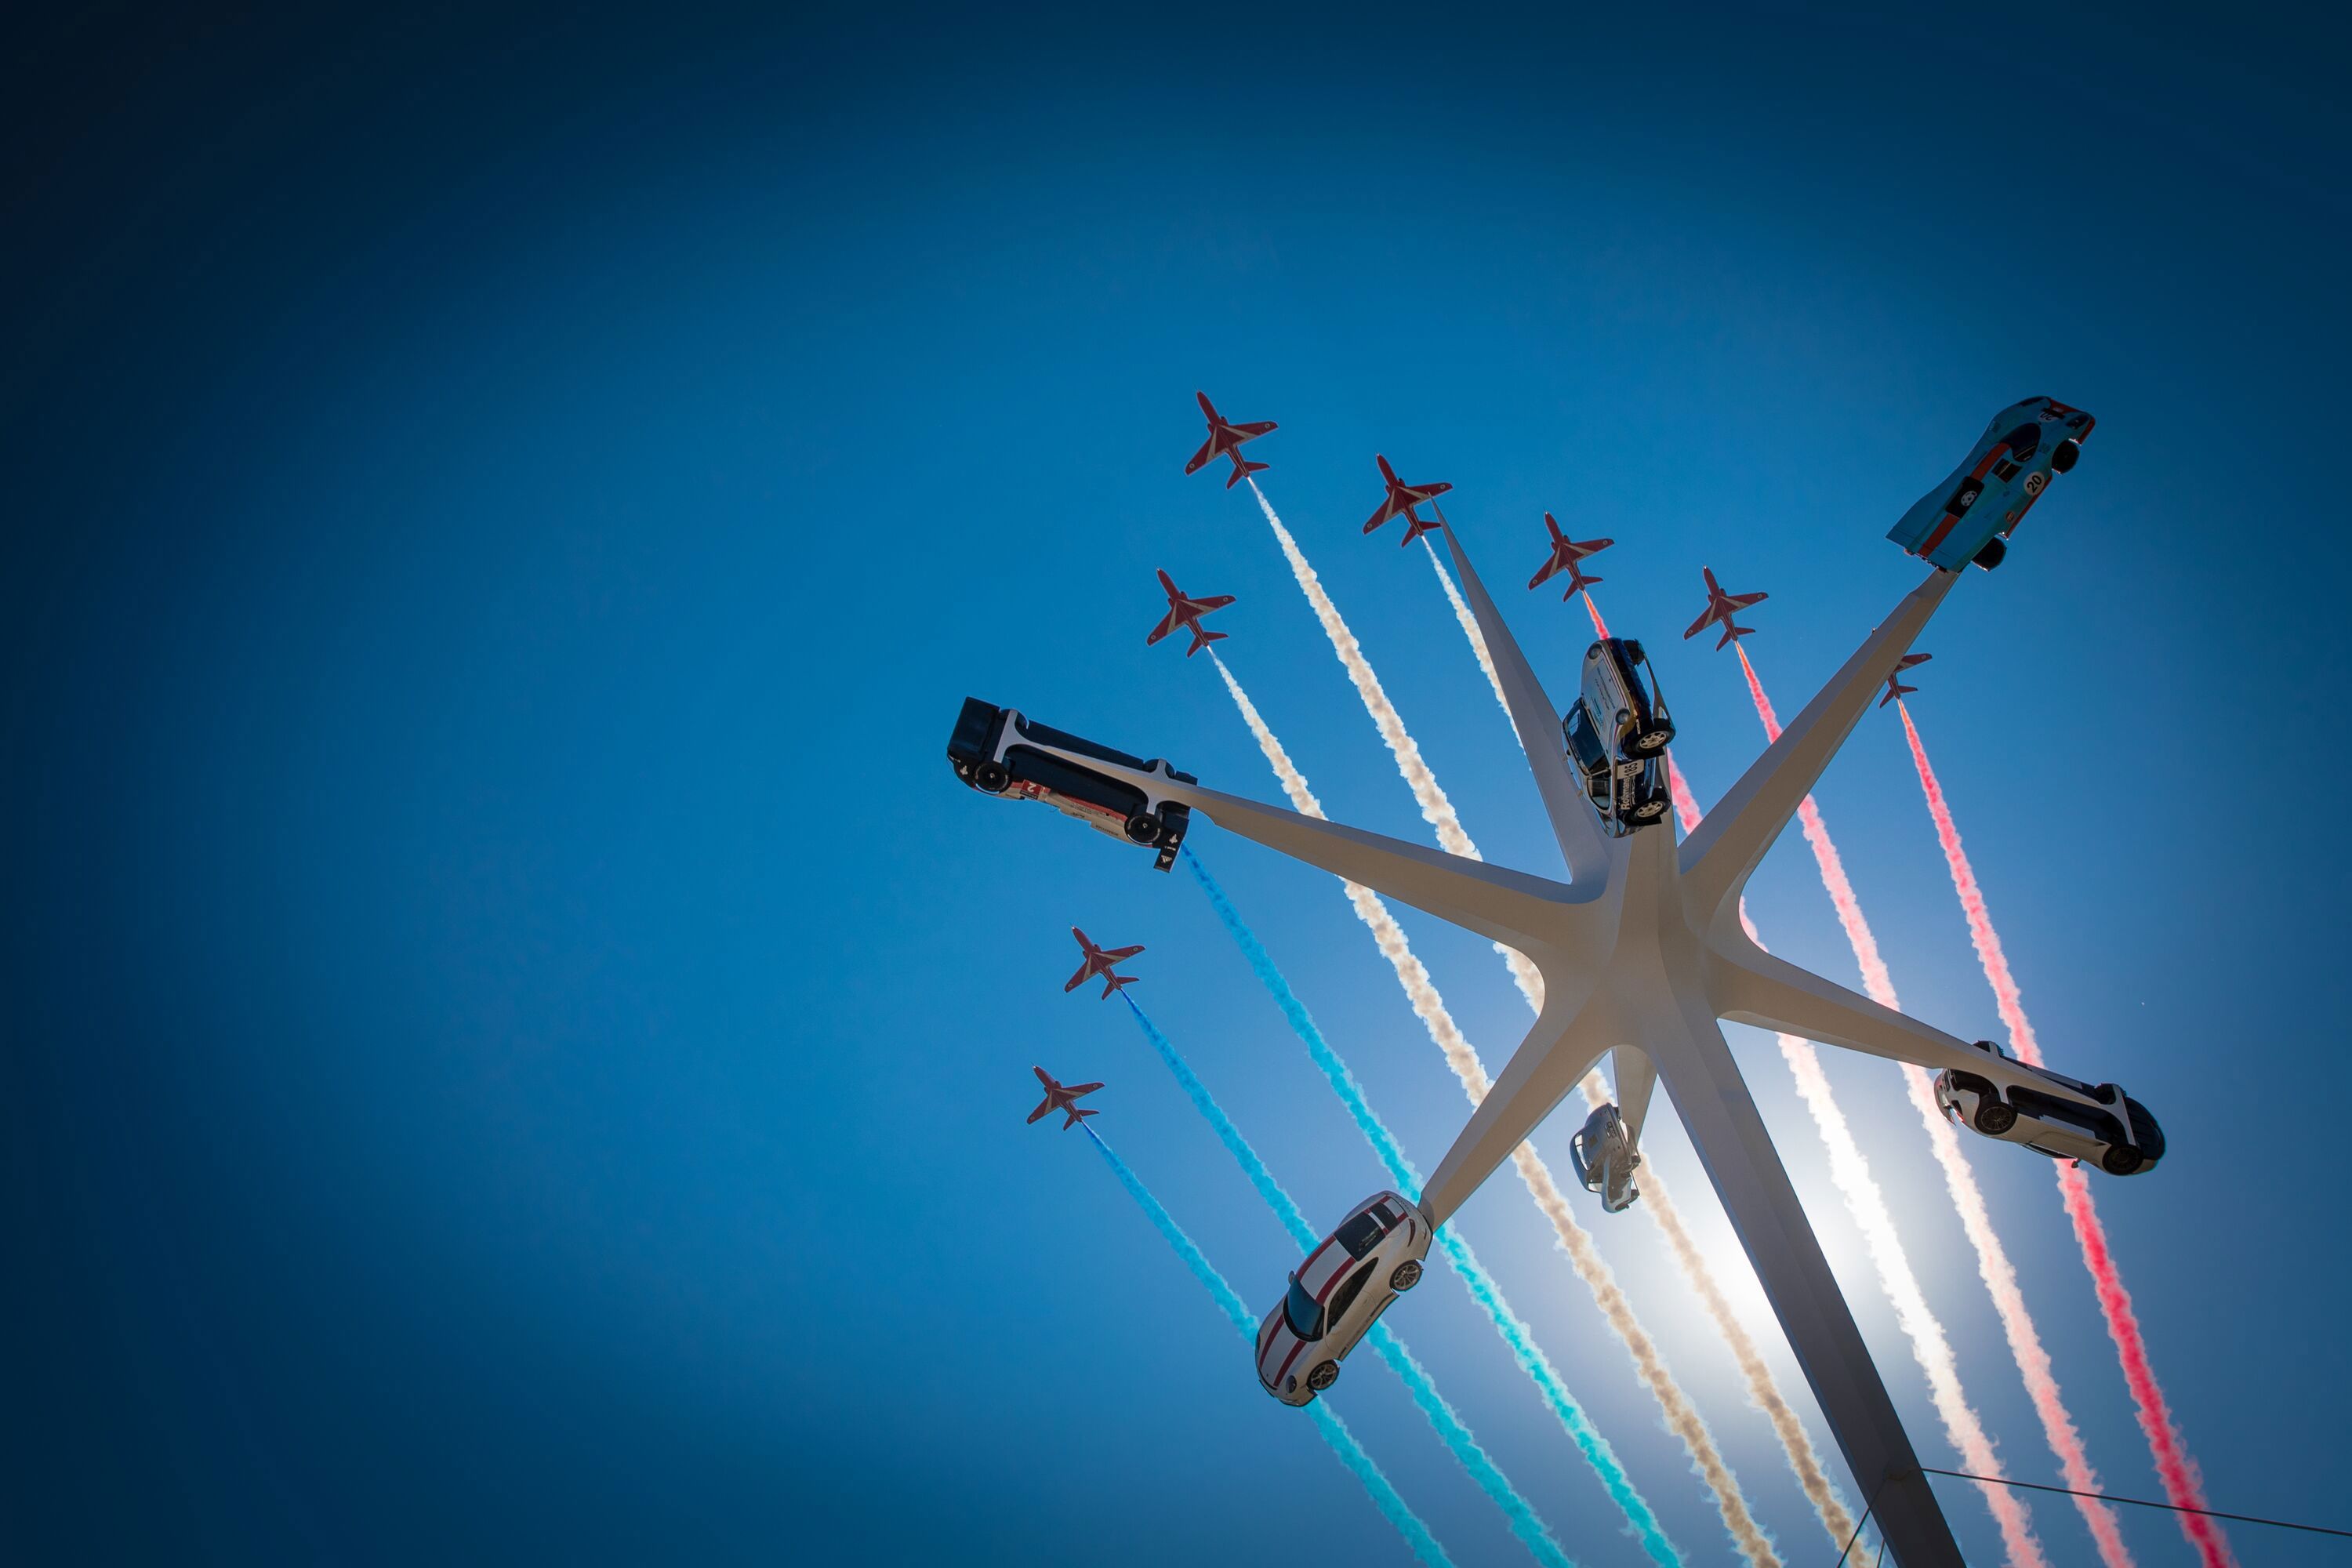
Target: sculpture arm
1538,722
1718,859
1751,986
1513,908
1548,1064
1637,1077
1496,902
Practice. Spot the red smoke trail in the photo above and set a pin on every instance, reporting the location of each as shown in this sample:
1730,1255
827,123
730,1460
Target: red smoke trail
1993,1266
1600,627
2173,1465
1687,810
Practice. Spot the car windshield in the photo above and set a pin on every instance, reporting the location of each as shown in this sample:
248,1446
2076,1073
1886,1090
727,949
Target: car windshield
2087,1119
1303,1312
1345,1296
1582,743
1361,1234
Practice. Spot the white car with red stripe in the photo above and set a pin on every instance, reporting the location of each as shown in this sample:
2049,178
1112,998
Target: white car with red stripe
1368,1261
1970,515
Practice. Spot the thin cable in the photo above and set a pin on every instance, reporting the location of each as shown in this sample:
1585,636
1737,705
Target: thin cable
2142,1503
1867,1510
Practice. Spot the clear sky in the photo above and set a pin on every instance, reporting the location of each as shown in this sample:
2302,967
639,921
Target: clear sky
516,1043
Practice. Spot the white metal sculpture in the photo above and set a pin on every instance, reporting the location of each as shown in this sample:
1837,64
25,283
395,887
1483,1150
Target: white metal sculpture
1642,952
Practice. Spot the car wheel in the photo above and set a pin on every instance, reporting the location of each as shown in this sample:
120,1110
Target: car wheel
1994,551
994,778
1323,1376
2121,1159
1994,1118
1143,828
1407,1275
1649,811
2064,456
1651,745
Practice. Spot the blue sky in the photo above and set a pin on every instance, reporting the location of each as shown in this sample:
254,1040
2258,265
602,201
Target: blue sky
517,1042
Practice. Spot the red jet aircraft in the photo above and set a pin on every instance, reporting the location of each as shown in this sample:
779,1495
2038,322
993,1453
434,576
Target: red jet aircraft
1225,441
1101,962
1720,607
1402,498
1568,553
1895,686
1187,613
1059,1096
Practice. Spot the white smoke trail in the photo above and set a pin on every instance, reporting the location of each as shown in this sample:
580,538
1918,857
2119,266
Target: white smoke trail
1763,1388
1469,624
1681,1418
1436,809
1862,1195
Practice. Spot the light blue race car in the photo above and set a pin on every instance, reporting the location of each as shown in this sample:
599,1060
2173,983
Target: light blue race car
1969,516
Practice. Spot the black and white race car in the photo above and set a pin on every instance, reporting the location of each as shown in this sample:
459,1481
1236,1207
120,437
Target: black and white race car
997,752
2118,1135
1617,732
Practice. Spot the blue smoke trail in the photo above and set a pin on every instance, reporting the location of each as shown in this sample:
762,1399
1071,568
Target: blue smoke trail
1595,1448
1334,1431
1531,1531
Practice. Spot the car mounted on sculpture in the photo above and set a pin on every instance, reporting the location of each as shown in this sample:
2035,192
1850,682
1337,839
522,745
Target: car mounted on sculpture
2122,1140
1368,1261
1617,734
1603,1153
1627,707
1970,515
997,752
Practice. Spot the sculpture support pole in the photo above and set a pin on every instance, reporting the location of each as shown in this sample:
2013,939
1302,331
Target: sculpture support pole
1684,1040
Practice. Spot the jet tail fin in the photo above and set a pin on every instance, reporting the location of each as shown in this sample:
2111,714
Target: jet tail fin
1077,1116
1243,470
1730,633
1202,639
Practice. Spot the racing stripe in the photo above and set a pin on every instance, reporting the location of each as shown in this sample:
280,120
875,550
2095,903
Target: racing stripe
1936,535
